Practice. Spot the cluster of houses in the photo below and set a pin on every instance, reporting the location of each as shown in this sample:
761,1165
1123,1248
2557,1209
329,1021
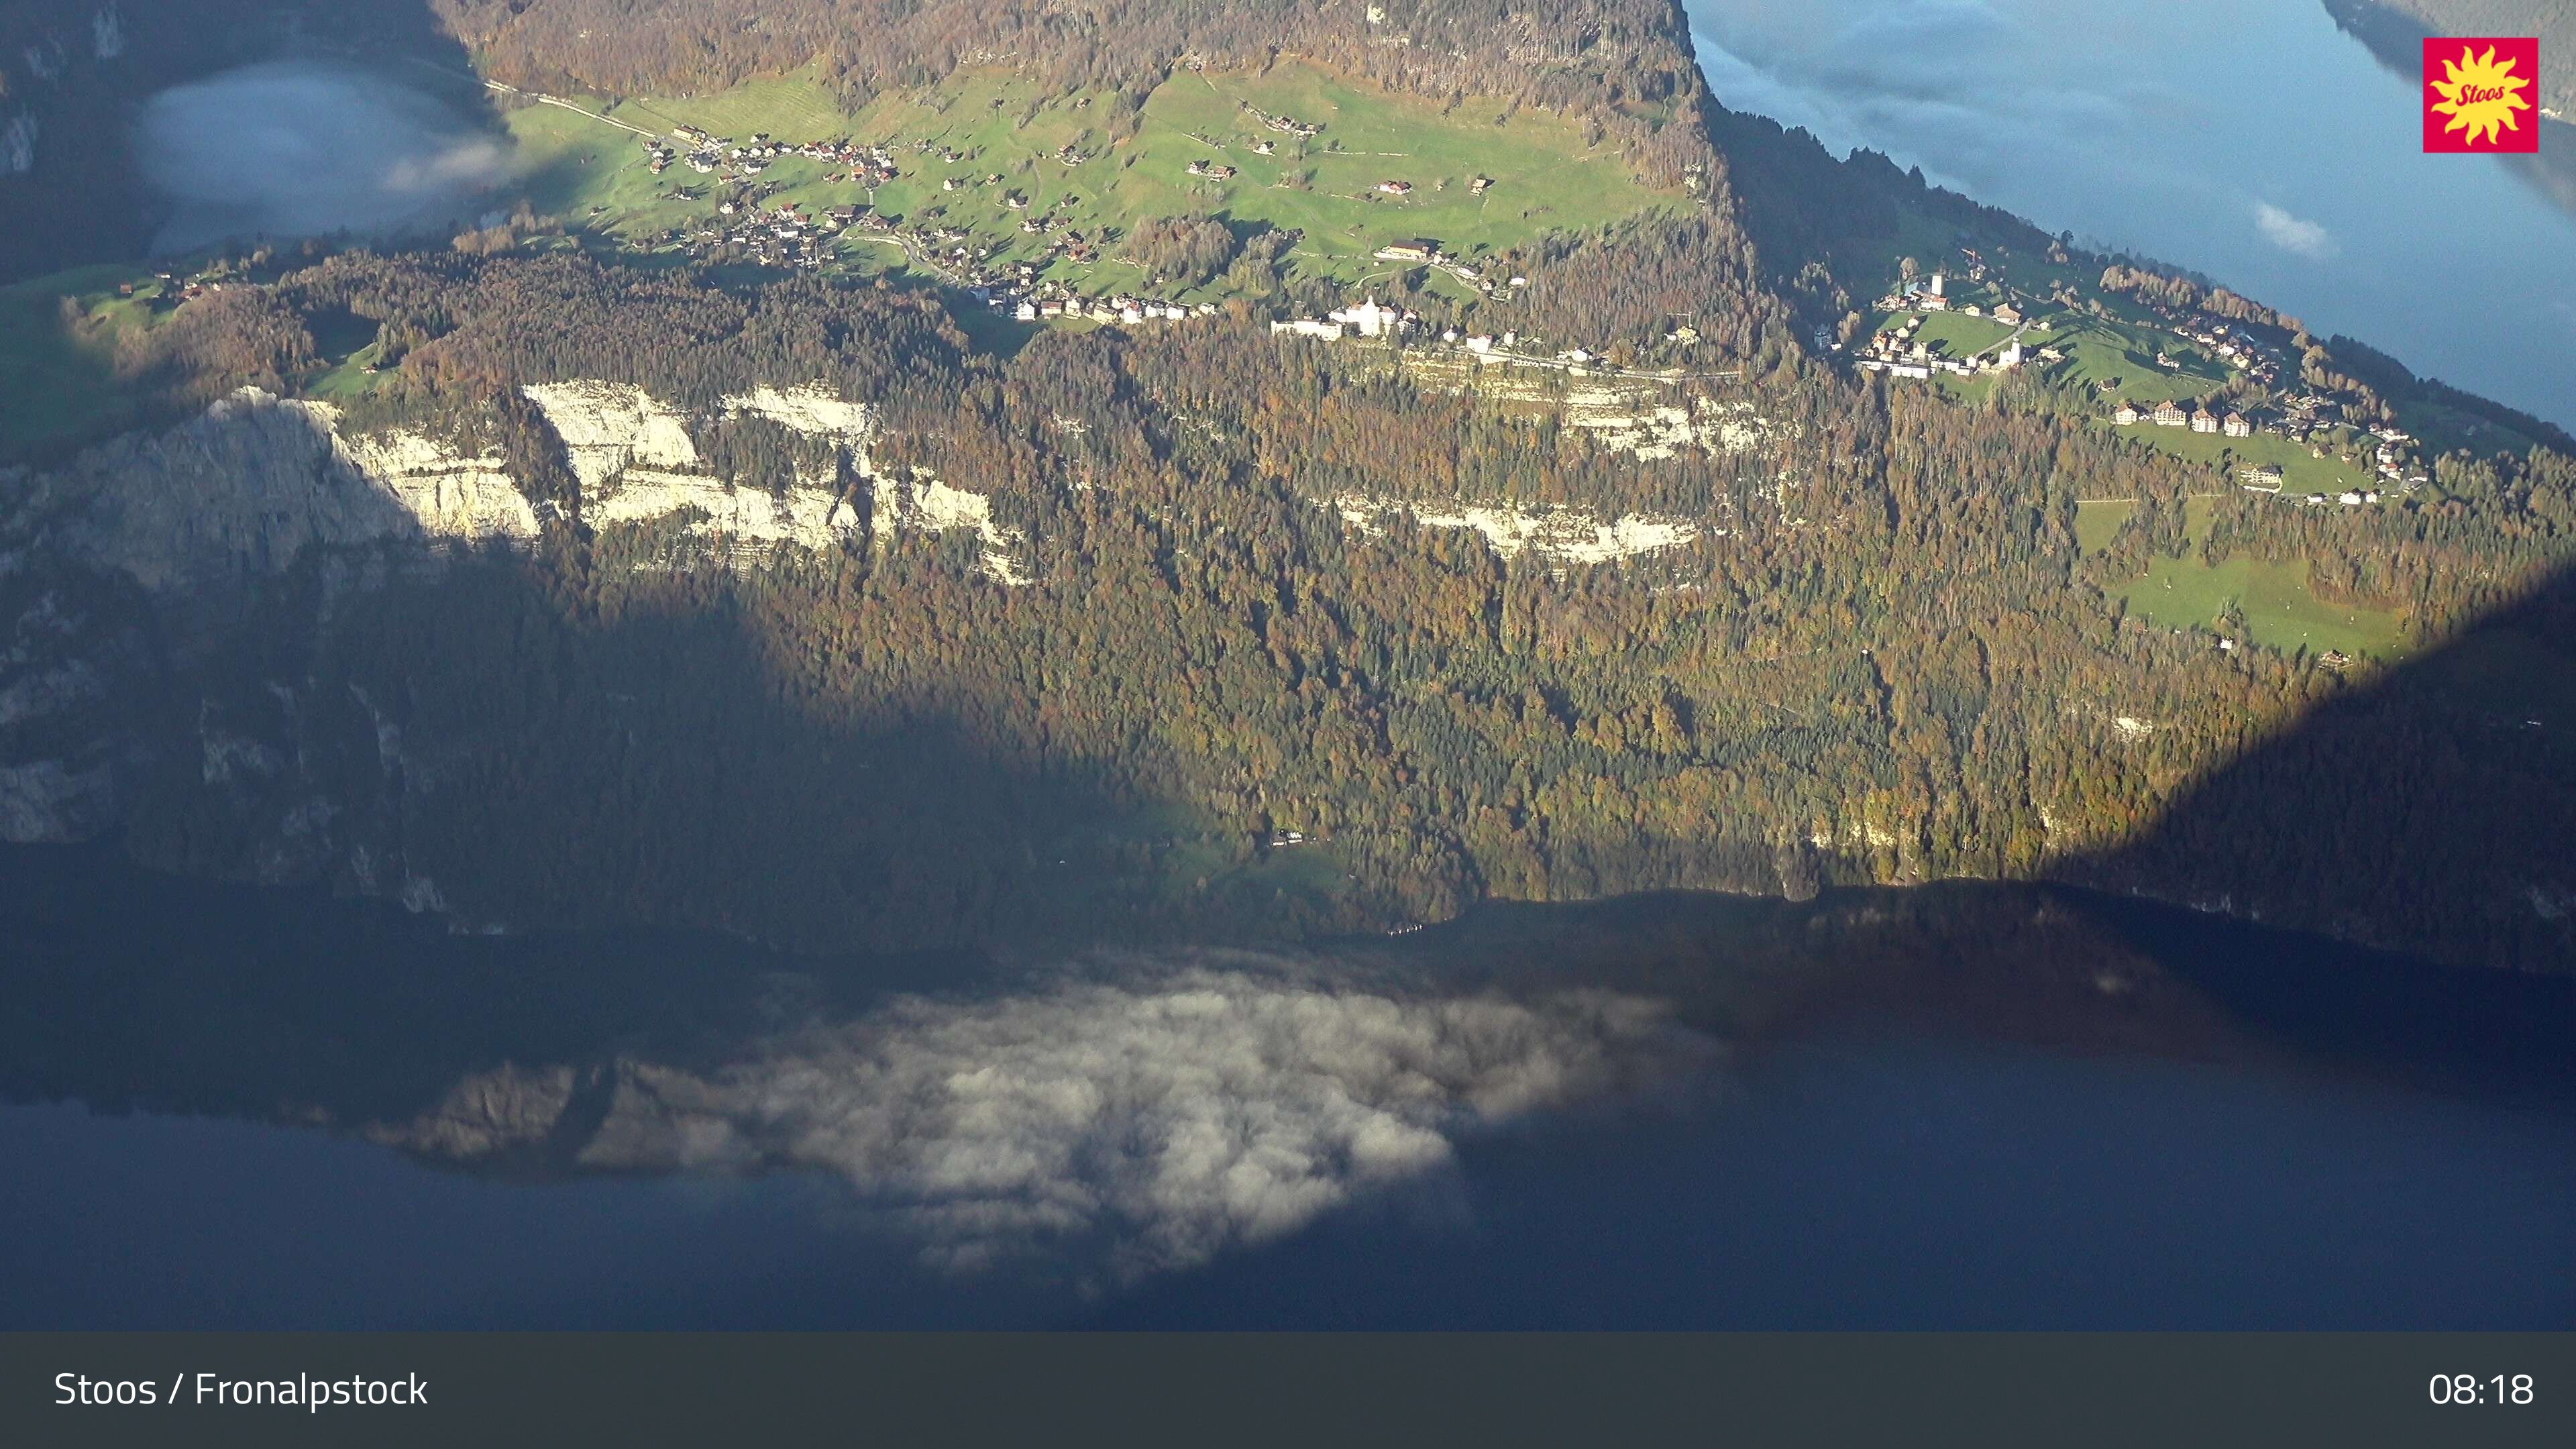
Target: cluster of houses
2199,419
1286,125
1120,309
2234,345
2304,416
711,155
1900,351
784,235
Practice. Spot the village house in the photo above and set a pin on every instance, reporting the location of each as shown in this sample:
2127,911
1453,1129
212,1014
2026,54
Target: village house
2171,415
2236,425
2126,415
2204,422
1409,251
2008,314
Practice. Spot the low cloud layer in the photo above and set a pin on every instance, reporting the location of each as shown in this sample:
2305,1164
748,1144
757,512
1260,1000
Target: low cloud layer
1139,1120
304,148
2290,234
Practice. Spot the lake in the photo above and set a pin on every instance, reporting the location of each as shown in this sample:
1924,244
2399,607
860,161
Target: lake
2250,140
1952,1107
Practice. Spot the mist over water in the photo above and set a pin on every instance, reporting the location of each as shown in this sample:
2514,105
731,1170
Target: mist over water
305,148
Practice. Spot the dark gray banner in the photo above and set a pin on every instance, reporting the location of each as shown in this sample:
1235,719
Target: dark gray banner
1232,1389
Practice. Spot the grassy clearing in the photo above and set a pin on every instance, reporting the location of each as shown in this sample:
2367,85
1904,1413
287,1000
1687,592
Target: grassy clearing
2300,473
2099,352
57,374
2279,611
2098,521
1546,175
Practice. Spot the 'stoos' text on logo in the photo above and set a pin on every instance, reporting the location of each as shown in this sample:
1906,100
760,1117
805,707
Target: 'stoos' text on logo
2478,93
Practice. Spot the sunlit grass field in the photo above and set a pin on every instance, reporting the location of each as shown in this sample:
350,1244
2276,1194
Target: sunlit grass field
1546,173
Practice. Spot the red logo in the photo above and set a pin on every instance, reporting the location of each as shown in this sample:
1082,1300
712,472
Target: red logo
2481,94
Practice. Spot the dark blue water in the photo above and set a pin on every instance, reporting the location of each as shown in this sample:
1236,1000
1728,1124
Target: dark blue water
1958,1106
2247,139
1886,1179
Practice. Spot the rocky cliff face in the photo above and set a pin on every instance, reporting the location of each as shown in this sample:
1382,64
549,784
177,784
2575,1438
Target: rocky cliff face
126,573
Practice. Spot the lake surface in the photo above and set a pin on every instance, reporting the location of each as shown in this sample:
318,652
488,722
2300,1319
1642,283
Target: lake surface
1958,1107
2250,140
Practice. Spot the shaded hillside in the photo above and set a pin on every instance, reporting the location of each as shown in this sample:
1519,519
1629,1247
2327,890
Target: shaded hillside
2385,22
2428,811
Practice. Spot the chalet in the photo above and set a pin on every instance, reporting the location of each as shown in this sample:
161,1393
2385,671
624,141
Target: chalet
2171,415
2126,416
1408,251
2204,422
2008,315
2236,425
1396,188
1476,186
2262,478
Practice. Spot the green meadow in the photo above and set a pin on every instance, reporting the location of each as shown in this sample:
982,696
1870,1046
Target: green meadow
58,382
2098,521
2300,473
2279,611
1546,175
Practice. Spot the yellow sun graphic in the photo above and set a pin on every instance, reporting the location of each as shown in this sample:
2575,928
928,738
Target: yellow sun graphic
2478,95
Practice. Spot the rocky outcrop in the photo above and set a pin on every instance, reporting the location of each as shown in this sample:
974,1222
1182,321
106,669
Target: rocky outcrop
1558,535
123,570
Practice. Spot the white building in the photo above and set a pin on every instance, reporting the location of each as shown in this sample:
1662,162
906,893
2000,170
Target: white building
1369,319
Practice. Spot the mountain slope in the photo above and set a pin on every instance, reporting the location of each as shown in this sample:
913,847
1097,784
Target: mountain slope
549,579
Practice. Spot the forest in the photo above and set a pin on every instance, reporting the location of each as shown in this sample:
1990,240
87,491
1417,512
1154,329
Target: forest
1882,656
1874,649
